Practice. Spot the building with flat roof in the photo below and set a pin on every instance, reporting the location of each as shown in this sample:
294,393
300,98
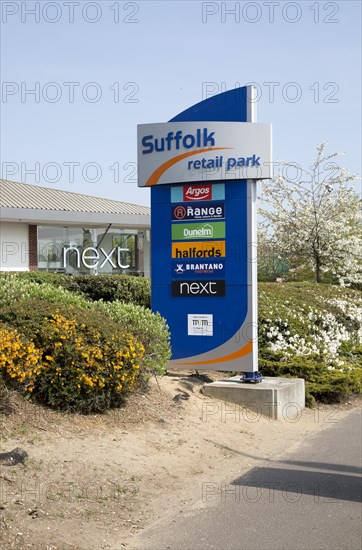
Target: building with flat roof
44,229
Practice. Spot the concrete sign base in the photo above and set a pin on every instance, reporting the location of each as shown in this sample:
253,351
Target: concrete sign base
276,398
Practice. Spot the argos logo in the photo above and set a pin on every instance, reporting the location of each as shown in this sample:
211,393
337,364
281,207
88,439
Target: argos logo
197,192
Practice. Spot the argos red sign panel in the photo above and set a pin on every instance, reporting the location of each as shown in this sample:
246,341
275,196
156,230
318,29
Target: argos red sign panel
197,192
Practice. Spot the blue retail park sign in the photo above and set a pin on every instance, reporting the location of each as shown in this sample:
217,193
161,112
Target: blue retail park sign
202,168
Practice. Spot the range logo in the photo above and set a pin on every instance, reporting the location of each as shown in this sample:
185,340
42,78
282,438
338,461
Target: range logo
210,249
197,192
185,270
214,211
184,231
179,213
198,288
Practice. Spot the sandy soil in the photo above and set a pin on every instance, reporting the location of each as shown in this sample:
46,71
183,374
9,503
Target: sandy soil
94,482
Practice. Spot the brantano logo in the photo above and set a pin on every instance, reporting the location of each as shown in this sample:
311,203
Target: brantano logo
185,268
204,267
176,140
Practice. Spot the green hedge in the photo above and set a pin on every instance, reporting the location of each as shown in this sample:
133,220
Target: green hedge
305,330
312,331
321,383
109,288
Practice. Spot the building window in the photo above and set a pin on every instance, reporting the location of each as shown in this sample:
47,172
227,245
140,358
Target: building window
93,250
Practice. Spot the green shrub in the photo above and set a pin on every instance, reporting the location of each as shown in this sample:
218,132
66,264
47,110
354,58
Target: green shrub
149,328
313,332
41,277
88,362
93,287
134,290
322,383
309,319
14,289
126,288
20,360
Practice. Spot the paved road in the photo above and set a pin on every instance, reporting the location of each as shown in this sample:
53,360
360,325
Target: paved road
309,499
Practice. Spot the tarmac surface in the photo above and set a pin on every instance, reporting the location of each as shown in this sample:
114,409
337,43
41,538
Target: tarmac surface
307,499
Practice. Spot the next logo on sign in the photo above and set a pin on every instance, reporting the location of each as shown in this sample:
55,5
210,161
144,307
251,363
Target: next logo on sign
198,288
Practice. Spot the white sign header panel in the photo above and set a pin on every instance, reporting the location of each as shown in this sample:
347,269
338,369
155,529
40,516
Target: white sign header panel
186,152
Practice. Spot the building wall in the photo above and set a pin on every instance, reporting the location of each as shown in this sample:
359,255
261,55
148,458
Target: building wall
14,246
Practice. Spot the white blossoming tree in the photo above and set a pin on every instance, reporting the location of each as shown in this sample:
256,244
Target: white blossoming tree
313,218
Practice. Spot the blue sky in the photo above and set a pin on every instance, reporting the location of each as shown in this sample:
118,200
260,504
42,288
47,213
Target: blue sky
101,68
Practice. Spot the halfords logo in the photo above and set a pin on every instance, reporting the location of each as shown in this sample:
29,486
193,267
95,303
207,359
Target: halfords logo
209,249
197,192
198,288
176,141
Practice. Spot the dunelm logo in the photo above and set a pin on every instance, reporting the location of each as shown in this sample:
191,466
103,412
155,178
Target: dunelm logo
205,231
192,230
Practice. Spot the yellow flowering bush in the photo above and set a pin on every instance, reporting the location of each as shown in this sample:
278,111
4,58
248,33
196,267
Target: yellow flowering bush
87,363
20,360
